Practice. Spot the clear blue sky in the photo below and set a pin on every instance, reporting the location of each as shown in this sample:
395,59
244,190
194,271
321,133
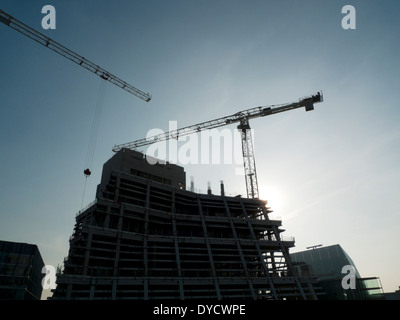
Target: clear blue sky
332,175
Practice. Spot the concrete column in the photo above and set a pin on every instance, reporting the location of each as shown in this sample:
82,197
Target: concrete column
228,213
145,252
210,256
121,218
117,184
69,291
91,293
114,290
106,223
87,252
116,259
176,244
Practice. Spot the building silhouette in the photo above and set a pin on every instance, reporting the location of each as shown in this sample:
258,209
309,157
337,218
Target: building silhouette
146,237
326,263
392,295
20,271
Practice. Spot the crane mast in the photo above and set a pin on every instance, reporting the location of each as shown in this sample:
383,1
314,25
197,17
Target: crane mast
242,118
69,54
249,161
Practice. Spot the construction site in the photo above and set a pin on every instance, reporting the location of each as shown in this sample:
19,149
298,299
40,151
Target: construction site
147,237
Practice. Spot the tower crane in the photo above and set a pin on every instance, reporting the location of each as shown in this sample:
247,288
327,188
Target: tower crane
69,54
241,117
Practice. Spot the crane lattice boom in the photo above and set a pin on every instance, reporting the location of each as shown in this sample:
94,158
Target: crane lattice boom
237,117
243,118
69,54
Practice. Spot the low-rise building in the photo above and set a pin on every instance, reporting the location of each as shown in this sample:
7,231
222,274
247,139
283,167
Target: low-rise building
20,271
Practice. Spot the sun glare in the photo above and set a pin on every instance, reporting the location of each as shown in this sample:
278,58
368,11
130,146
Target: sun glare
273,196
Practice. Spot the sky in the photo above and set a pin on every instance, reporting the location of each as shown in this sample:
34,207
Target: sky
332,175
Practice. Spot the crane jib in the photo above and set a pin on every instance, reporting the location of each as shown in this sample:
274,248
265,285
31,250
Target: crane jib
5,21
246,136
69,54
245,115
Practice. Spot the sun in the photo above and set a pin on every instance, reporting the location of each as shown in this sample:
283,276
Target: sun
273,195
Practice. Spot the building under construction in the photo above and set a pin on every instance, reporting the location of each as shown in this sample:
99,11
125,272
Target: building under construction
146,237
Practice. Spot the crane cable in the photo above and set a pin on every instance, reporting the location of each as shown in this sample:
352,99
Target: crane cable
93,134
